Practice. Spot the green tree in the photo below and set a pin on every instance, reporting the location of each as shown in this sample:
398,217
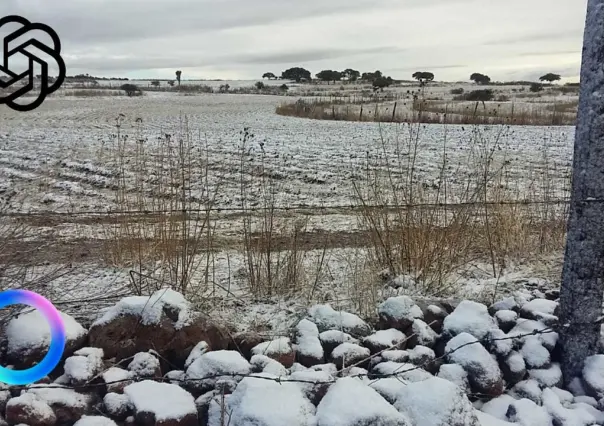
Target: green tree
550,77
171,83
423,77
178,75
131,89
351,75
260,85
371,76
536,87
297,74
329,75
155,83
381,82
269,75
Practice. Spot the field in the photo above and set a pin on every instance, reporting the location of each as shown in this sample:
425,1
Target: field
256,214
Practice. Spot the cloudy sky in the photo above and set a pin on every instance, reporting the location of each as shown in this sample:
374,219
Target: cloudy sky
242,39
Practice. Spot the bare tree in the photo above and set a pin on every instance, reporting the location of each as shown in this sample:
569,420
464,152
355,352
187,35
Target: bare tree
583,273
178,74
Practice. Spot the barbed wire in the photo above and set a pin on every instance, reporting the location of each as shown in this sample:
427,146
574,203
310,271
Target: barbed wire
284,379
209,209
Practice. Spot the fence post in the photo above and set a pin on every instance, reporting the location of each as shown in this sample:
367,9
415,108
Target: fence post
394,112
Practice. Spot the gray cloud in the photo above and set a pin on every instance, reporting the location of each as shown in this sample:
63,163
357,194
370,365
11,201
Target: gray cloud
312,55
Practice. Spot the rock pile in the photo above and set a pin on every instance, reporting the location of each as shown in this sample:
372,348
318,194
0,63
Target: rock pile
154,361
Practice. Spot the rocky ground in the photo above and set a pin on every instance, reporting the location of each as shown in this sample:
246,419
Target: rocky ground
154,361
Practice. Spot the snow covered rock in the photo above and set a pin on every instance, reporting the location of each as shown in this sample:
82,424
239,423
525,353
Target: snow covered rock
258,401
279,349
422,334
145,365
28,338
548,377
506,320
513,368
118,405
95,421
498,407
116,379
308,348
563,416
161,404
498,343
469,317
84,365
399,312
540,310
348,354
197,351
534,354
483,371
507,304
163,322
213,364
333,338
406,372
528,389
436,402
455,374
593,376
264,364
326,318
30,410
422,356
68,405
526,413
385,339
314,384
349,402
525,328
244,342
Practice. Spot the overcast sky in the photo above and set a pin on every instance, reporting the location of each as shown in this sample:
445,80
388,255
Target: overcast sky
242,39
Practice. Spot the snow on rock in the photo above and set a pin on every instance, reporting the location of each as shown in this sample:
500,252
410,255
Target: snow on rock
483,371
576,387
421,355
197,351
399,312
151,309
488,420
498,343
540,310
279,349
593,375
349,402
67,404
422,334
163,402
405,372
332,338
348,354
564,396
548,377
506,304
455,374
308,348
565,416
436,402
526,413
95,421
385,339
498,407
471,318
506,320
264,364
116,379
528,389
118,405
314,384
30,410
28,337
145,364
388,388
84,365
513,368
258,401
206,370
525,328
587,400
395,356
534,354
326,318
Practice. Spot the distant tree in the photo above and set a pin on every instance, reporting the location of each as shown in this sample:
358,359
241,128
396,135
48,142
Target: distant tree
423,77
269,75
297,74
550,77
284,87
171,83
381,82
350,74
484,95
458,91
371,76
224,88
480,78
329,75
155,83
536,87
260,85
178,75
131,89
